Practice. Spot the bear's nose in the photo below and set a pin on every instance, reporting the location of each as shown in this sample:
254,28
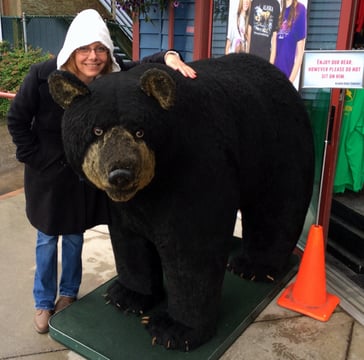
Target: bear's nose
120,177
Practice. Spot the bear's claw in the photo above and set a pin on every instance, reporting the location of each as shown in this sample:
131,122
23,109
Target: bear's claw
250,275
172,334
187,346
127,300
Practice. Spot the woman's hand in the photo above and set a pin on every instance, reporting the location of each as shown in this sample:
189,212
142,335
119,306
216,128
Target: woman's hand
172,59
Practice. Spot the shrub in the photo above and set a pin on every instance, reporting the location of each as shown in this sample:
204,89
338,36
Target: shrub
14,65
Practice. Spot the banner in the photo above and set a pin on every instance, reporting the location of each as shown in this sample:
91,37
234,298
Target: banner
274,30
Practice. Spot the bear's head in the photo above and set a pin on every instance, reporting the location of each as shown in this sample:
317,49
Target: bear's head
107,137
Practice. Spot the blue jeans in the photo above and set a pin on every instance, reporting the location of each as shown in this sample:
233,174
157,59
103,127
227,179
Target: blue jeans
46,257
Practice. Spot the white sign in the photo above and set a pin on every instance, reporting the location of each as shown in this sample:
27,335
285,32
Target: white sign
333,69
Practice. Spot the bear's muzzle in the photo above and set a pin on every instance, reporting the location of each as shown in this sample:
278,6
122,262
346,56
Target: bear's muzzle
119,164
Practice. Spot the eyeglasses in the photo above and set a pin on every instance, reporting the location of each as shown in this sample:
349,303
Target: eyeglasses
85,50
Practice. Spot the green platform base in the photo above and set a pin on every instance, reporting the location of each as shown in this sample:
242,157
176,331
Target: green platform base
99,331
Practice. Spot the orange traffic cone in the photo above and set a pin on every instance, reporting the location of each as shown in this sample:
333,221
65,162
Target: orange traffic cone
308,294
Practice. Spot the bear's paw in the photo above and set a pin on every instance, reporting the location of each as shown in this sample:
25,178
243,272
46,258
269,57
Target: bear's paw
172,334
127,300
248,270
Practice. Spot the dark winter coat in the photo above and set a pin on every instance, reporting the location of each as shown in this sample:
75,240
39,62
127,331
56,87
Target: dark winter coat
57,200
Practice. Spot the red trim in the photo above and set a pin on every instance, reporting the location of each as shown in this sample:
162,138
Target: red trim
344,42
11,194
330,162
346,25
211,19
359,17
171,28
136,40
7,95
203,28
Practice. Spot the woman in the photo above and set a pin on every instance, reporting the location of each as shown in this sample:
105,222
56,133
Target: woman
58,203
236,41
291,38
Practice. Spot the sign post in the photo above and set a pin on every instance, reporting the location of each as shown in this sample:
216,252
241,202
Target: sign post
334,69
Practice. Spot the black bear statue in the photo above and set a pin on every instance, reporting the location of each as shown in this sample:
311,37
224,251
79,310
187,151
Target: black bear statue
178,158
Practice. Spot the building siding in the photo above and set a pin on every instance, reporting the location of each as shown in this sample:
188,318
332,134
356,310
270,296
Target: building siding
154,32
50,7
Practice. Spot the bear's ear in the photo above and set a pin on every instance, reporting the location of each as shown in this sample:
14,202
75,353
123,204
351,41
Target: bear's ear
65,87
160,85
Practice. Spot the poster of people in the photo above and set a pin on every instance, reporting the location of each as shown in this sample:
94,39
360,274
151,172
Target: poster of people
272,29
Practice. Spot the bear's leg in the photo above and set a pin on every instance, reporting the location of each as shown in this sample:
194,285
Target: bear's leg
194,258
194,263
270,234
194,298
139,285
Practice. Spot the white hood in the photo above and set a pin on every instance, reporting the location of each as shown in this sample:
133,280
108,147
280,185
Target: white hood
86,28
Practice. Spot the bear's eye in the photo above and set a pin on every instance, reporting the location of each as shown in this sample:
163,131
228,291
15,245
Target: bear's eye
139,134
98,131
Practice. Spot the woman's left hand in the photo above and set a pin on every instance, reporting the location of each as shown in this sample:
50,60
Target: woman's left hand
173,61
